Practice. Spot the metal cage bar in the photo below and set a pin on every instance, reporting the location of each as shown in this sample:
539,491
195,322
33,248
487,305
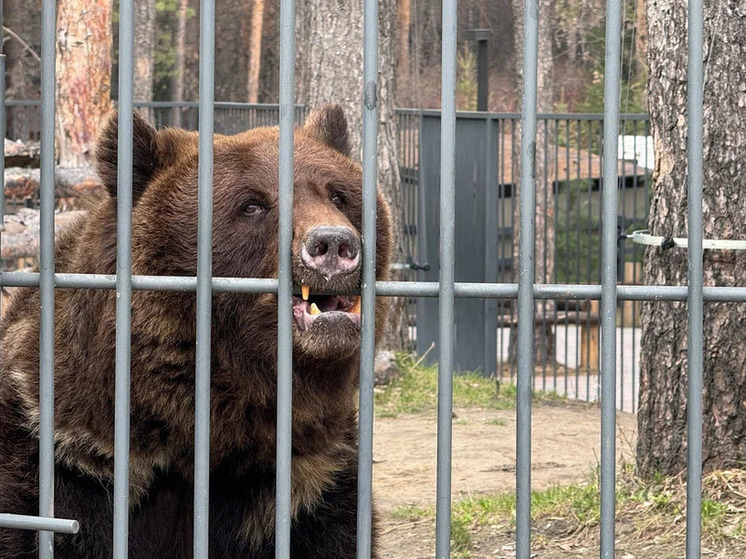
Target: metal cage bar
46,277
446,279
609,275
368,318
695,348
285,281
123,281
204,283
526,280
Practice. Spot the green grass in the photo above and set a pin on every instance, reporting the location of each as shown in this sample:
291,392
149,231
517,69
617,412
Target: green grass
415,391
655,506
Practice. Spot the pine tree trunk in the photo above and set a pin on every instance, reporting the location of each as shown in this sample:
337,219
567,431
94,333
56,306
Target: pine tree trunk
404,19
144,52
177,85
255,49
544,350
661,446
83,77
330,70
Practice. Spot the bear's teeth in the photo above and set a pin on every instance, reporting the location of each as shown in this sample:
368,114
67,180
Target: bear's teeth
355,306
314,309
305,291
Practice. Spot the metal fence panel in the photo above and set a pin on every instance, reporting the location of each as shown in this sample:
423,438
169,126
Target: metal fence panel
493,278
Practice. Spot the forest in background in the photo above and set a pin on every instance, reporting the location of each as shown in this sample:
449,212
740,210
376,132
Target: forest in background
247,52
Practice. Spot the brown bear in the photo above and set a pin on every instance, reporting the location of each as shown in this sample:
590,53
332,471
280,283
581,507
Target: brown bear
326,336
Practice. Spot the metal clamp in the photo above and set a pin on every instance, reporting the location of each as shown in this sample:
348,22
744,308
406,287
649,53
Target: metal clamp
643,237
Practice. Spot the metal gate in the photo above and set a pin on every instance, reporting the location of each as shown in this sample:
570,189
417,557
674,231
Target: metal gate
445,289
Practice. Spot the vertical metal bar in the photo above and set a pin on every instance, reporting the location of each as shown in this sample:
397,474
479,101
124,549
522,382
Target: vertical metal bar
46,276
695,98
124,280
446,279
526,281
2,124
489,367
612,80
204,280
367,345
285,280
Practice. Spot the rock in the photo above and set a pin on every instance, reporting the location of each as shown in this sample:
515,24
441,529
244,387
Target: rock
385,369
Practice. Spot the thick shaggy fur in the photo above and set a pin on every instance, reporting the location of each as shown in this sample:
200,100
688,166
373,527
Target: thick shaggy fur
243,397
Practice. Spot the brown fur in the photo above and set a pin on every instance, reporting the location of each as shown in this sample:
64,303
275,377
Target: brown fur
243,393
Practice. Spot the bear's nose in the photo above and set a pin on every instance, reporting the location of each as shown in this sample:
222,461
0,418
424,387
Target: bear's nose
331,251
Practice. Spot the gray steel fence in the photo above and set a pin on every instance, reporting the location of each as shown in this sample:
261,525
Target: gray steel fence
526,291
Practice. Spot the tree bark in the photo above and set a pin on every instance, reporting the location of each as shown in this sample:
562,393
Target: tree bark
83,77
544,217
177,86
144,49
22,66
144,53
404,18
662,446
255,49
330,71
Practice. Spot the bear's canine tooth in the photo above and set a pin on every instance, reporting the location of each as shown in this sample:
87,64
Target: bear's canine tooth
315,309
355,306
305,291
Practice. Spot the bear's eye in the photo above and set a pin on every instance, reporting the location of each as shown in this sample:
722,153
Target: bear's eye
336,198
252,208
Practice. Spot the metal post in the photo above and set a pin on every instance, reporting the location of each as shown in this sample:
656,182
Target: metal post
124,281
445,287
46,276
481,36
695,99
526,280
612,78
285,281
491,256
367,347
204,280
2,125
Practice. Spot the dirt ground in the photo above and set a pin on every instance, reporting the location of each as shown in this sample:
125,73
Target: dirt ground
565,449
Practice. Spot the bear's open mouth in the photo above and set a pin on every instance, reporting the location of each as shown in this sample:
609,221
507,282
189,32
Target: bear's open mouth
309,308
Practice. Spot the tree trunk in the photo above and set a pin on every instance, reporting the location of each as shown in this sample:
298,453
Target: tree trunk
22,65
177,86
544,224
330,70
83,77
404,18
255,49
662,446
144,53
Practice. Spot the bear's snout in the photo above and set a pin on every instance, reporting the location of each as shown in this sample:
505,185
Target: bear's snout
331,251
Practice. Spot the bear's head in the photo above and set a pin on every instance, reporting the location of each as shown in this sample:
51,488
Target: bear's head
327,216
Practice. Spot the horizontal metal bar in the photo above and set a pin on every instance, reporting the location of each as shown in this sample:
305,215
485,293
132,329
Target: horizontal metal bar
23,103
517,116
24,522
402,111
218,105
557,292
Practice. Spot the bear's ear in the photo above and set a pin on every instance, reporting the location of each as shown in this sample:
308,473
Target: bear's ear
328,125
145,155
